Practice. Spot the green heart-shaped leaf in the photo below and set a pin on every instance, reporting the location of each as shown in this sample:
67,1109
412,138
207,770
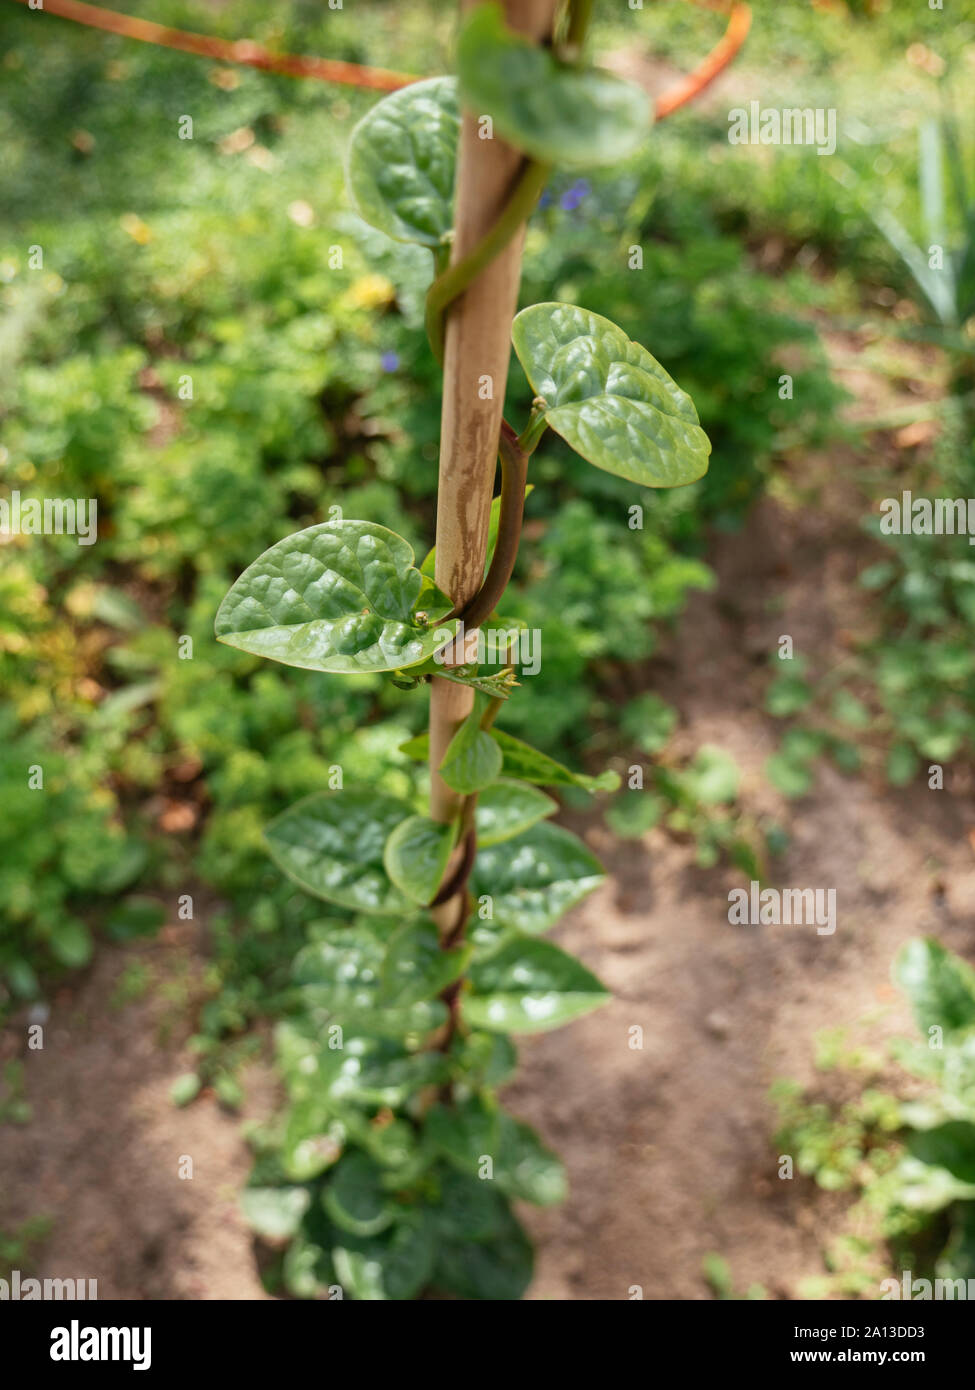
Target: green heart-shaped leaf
402,158
343,597
496,1270
469,1209
939,985
417,967
506,808
472,759
379,1072
558,113
524,762
332,843
313,1140
354,1197
536,877
528,986
527,1170
366,1071
274,1212
416,856
307,1269
527,763
342,976
464,1133
483,1059
394,1265
471,1130
608,398
950,1145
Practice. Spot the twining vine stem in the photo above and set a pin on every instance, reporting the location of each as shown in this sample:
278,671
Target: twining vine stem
514,475
449,285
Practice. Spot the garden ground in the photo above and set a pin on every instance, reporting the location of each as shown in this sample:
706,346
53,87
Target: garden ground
668,1146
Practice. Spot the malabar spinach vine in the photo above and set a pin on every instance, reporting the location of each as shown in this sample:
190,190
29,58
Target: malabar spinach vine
398,1166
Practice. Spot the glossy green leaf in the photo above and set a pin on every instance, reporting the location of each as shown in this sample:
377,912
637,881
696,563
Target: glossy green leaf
483,1059
341,597
314,1139
417,747
308,1064
402,158
393,1144
465,1133
383,1074
506,808
416,855
417,967
468,1209
472,759
365,1070
469,1132
306,1270
528,986
558,113
332,845
355,1199
394,1265
608,398
527,763
274,1212
526,1169
939,985
499,1269
536,877
342,976
950,1146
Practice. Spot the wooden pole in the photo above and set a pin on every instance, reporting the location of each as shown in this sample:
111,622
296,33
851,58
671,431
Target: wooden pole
477,351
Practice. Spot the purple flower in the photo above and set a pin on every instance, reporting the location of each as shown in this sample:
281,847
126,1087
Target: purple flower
389,361
573,196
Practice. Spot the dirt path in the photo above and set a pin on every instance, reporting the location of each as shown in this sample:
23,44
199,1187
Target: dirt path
668,1148
103,1154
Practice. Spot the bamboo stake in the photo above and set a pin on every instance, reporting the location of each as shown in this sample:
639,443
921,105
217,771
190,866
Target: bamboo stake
478,348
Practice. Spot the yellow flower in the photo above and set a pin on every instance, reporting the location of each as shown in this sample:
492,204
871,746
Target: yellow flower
370,292
136,228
